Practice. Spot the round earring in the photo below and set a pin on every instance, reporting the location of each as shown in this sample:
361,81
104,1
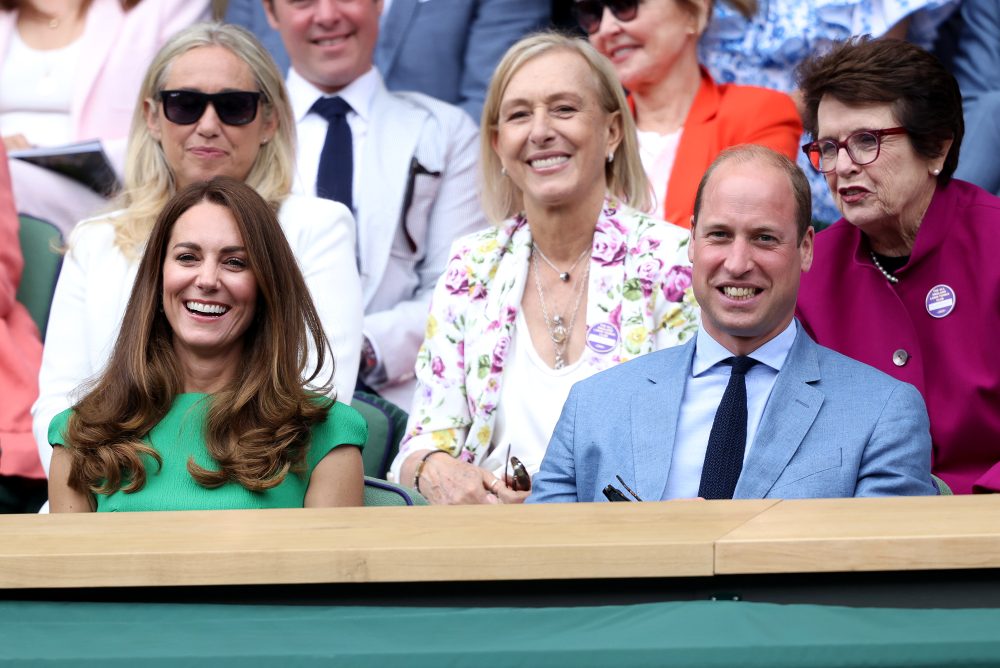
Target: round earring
503,171
936,171
611,156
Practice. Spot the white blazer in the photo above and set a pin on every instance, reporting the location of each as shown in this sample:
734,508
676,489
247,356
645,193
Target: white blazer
418,193
96,281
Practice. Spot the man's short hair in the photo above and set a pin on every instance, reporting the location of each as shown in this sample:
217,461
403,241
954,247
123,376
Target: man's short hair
746,153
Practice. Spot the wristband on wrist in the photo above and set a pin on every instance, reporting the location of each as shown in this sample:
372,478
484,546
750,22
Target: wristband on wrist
420,468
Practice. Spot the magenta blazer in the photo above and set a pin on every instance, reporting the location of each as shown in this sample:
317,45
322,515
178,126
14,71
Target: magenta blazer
845,303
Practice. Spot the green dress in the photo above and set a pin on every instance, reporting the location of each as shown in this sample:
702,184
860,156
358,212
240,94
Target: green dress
179,436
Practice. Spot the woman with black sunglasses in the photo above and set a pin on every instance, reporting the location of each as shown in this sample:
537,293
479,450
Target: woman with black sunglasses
212,104
684,118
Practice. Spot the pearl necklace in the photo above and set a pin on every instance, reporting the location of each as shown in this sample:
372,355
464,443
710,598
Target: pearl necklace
889,277
563,275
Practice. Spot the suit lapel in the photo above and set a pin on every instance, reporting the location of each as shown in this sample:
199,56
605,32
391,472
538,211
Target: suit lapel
100,33
396,124
790,412
653,413
393,30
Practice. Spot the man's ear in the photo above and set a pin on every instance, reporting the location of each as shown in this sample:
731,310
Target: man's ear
691,243
806,249
272,19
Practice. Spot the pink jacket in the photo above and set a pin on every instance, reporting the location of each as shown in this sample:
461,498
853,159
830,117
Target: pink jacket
20,349
119,47
846,304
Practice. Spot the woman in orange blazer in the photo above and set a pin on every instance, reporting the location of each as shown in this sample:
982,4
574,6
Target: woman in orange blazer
684,118
22,481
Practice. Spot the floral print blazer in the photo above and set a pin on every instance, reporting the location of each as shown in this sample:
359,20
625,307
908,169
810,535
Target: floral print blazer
639,299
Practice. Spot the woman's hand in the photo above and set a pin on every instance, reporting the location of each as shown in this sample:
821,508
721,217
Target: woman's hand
16,142
446,480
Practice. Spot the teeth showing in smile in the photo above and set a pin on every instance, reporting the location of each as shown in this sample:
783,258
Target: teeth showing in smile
206,309
549,162
738,293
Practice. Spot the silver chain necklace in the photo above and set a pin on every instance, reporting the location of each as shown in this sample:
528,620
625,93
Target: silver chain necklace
892,279
563,275
559,331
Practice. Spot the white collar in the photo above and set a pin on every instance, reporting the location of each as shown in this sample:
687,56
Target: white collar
359,93
708,352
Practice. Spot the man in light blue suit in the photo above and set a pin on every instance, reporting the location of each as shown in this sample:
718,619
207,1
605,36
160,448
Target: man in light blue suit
444,48
810,423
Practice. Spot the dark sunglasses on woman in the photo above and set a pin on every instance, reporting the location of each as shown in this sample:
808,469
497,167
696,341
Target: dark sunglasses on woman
590,12
185,107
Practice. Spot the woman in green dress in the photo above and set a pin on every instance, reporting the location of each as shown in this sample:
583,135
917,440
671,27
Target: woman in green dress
204,402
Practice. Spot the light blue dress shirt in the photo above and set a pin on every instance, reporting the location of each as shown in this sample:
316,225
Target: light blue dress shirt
703,391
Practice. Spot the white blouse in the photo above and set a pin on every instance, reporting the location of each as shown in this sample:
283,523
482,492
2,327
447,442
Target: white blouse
36,91
531,399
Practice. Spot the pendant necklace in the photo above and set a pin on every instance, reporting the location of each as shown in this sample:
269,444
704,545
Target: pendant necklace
559,331
563,275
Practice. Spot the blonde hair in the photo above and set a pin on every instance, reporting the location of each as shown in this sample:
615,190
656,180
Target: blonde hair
149,181
624,176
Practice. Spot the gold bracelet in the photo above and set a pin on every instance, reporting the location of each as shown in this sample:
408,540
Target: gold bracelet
420,468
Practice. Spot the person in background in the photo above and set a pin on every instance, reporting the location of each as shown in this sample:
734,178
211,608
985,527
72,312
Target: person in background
571,279
751,407
405,163
69,72
443,48
907,280
204,403
762,42
22,480
683,116
211,104
970,47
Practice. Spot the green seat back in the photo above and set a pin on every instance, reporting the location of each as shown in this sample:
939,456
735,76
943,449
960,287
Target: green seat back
39,243
942,487
386,426
382,493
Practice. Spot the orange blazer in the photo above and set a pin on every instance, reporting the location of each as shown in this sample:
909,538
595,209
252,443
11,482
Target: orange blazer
721,116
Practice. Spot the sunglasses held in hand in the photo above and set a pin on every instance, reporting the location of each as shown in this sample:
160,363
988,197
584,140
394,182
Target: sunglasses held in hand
186,107
589,13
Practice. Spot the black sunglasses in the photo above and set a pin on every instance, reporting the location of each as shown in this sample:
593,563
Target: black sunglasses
185,107
590,12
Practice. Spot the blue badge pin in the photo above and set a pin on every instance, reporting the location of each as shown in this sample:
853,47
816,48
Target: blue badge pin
940,301
602,338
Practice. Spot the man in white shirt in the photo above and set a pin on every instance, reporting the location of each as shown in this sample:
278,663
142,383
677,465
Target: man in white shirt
410,178
751,407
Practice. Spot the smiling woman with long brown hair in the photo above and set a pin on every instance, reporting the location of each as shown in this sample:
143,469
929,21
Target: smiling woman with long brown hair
203,404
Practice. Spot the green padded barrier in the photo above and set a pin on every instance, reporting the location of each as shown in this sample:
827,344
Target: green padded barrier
676,634
39,241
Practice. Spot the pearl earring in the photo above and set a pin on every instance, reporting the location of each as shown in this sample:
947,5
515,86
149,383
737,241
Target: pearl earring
936,171
503,171
611,156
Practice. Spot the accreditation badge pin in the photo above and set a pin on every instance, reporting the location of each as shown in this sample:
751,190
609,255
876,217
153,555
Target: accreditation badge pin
602,338
940,301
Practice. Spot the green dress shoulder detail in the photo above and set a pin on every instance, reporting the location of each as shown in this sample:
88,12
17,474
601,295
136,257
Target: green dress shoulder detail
179,435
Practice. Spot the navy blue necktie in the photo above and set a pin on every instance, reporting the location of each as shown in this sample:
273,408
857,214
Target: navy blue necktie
728,439
336,163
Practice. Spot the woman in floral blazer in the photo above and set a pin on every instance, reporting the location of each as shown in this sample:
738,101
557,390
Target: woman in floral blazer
537,155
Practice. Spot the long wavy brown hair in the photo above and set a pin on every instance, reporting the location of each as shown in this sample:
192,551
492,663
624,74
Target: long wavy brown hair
258,426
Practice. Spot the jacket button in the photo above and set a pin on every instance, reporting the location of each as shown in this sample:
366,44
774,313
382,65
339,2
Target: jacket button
900,357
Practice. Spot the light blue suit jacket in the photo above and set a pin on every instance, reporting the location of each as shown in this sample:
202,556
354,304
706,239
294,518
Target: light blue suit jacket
832,427
444,48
